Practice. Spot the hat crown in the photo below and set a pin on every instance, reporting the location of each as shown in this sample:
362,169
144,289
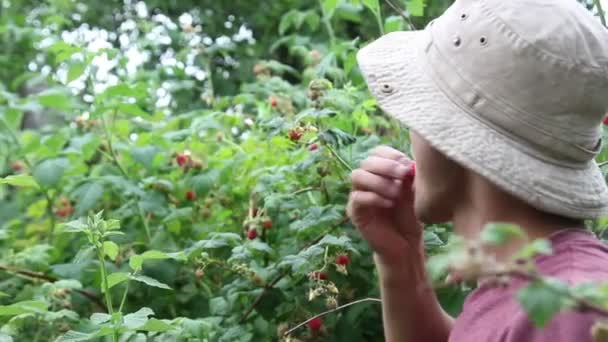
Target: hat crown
536,70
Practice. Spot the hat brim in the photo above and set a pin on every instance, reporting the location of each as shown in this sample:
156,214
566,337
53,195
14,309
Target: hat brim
392,64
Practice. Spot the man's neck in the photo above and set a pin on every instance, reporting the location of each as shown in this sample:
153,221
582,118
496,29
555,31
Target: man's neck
485,203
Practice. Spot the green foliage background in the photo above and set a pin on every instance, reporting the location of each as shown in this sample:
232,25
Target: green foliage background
118,90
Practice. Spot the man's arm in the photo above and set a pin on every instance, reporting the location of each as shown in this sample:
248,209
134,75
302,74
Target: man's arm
410,309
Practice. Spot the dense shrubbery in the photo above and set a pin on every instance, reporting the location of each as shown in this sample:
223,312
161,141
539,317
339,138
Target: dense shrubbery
179,172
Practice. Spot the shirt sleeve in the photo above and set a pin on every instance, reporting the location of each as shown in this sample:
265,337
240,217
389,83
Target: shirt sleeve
564,327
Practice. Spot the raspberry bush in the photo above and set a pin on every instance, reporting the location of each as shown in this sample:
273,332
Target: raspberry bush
179,172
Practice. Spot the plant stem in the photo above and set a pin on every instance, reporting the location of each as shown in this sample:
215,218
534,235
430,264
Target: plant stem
379,20
600,11
105,287
375,300
124,297
111,148
327,24
49,199
143,219
340,160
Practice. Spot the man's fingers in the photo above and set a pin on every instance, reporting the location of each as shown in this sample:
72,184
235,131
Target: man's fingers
385,151
385,167
367,181
359,199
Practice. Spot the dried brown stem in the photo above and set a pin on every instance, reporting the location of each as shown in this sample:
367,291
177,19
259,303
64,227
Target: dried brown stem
50,279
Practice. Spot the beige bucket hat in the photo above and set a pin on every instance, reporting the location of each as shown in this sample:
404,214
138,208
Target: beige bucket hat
514,90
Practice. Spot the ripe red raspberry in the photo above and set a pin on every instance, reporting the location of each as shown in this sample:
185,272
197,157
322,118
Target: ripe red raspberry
252,234
412,172
294,135
274,102
63,212
315,324
313,147
605,121
190,195
267,224
181,159
17,166
342,259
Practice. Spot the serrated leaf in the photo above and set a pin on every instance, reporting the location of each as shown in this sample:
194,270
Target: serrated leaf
431,239
156,325
55,100
49,172
110,248
500,233
541,301
373,5
416,7
88,196
75,70
20,181
68,284
24,307
136,261
138,318
329,7
132,109
75,336
150,281
117,278
99,318
74,226
536,247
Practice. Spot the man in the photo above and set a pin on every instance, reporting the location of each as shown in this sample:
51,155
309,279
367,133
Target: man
504,101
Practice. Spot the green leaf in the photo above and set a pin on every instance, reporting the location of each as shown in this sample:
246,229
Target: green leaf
431,239
5,338
20,181
76,70
132,109
219,306
542,301
287,21
392,24
88,196
150,282
55,100
536,247
75,336
24,307
373,5
416,7
136,261
100,317
137,319
110,248
329,7
156,325
117,278
500,233
49,172
68,284
74,226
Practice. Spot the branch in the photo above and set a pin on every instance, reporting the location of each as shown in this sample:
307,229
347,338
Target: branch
330,311
397,9
600,11
280,276
50,279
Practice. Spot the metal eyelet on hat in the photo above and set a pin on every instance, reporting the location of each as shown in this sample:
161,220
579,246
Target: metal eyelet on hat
464,16
483,40
386,88
457,41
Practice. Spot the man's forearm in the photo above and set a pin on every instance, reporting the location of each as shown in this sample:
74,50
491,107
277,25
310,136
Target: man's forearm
410,309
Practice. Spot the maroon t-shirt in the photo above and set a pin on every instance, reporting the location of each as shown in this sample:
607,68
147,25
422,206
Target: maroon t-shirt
493,314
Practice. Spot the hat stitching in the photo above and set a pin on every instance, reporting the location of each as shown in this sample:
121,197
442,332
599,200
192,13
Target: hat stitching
591,69
497,102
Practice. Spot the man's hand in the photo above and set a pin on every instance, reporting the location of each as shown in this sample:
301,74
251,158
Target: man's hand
381,205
